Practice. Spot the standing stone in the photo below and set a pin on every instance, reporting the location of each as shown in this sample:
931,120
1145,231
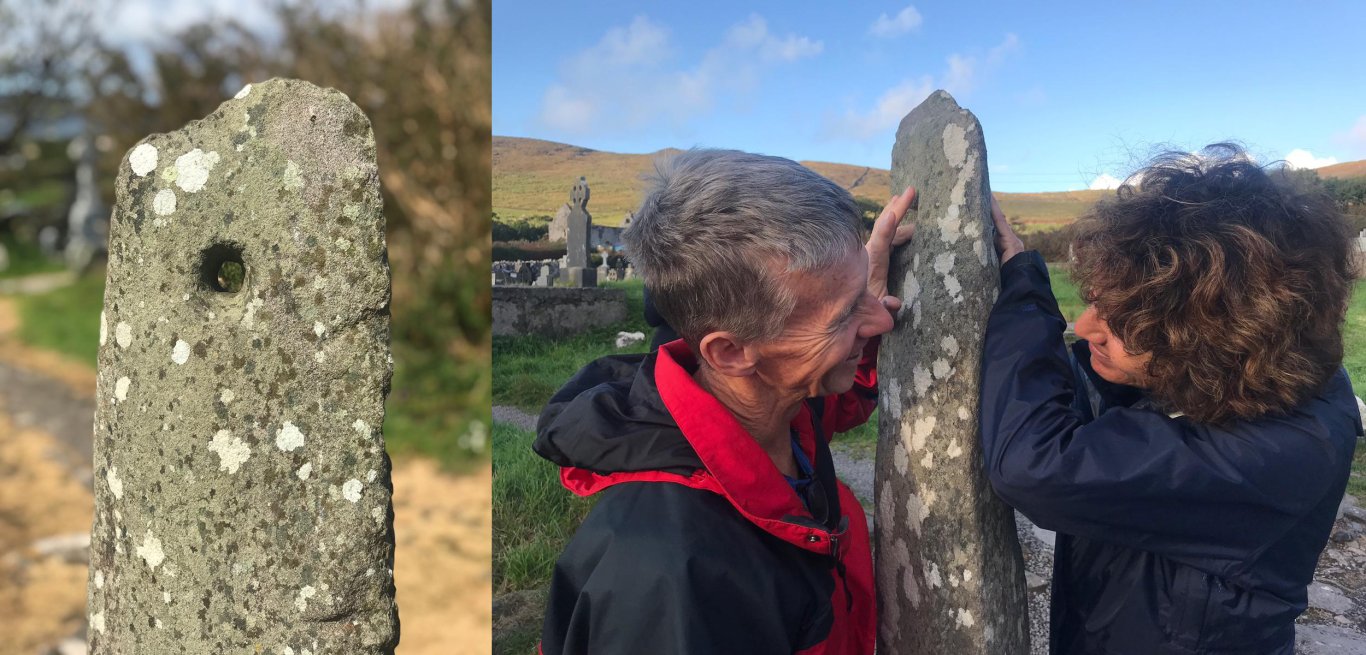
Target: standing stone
242,493
949,572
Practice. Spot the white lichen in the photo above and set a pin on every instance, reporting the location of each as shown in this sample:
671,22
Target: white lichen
955,145
151,551
232,451
351,490
963,413
921,377
954,451
319,329
923,428
370,477
292,180
115,484
892,398
900,458
104,329
965,618
226,396
123,334
246,90
361,427
932,577
121,389
941,369
289,437
304,471
99,579
192,169
143,159
928,460
916,512
954,288
943,263
181,352
163,203
97,621
950,345
304,594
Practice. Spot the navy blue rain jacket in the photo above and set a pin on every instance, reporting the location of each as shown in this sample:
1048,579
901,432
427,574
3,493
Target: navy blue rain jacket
1173,536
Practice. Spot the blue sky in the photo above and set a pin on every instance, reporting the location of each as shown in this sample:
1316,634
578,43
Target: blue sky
1066,92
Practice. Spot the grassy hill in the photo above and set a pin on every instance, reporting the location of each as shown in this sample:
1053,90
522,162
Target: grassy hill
533,177
1344,170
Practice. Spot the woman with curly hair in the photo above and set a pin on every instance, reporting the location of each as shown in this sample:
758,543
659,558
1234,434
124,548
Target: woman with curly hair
1192,450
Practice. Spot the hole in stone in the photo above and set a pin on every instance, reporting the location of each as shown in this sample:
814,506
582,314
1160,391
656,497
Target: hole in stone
222,268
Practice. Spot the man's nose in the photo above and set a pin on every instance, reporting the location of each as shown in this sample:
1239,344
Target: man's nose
1088,326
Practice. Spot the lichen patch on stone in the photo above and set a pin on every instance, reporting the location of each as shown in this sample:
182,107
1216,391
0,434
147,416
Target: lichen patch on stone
121,389
306,593
289,437
192,169
246,90
104,329
115,484
305,470
955,145
351,490
163,203
292,180
151,551
181,352
143,159
97,621
232,451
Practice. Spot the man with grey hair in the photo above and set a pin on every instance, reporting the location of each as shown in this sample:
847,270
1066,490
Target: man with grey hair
720,526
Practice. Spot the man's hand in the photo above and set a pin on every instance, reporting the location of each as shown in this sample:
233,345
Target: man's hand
1007,243
888,232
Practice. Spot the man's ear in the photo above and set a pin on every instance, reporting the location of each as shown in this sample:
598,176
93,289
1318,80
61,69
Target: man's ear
725,354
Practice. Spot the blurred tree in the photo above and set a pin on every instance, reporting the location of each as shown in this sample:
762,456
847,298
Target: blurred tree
42,55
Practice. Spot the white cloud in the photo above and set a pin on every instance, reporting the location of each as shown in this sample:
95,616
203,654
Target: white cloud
1299,158
888,26
631,78
960,77
895,103
1105,181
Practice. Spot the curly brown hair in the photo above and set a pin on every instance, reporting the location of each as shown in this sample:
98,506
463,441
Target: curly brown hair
1235,277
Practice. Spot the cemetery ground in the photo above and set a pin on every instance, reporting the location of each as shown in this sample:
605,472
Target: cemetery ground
535,516
48,342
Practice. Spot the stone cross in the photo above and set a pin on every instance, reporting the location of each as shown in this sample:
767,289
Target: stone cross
242,491
87,220
949,573
578,238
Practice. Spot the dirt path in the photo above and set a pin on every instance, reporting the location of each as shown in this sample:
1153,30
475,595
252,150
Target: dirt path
442,523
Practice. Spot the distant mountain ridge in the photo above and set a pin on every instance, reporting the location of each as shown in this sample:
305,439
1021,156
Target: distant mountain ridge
532,177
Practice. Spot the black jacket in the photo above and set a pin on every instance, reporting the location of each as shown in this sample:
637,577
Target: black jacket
1173,536
697,544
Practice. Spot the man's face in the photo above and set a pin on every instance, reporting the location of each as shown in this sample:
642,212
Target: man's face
819,349
1108,357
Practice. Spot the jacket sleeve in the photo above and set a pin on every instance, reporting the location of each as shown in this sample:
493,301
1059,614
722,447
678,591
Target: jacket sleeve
846,411
1130,476
623,591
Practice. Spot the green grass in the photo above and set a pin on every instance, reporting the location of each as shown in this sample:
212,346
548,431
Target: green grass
533,516
1069,298
66,320
419,418
25,258
528,370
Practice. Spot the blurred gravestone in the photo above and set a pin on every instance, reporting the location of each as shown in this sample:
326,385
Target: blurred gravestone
87,220
949,571
242,488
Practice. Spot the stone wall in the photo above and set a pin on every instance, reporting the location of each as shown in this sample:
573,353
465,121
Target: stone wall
555,311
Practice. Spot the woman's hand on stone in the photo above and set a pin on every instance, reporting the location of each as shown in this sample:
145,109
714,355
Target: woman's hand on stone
1007,243
888,232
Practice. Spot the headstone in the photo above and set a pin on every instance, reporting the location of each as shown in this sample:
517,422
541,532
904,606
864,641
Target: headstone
604,273
630,273
87,220
242,493
949,570
579,223
582,277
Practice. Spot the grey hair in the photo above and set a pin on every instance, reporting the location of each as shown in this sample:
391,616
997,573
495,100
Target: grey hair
720,231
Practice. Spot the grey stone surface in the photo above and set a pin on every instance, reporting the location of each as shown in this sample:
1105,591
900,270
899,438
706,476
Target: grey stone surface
949,568
556,311
1328,598
577,226
242,490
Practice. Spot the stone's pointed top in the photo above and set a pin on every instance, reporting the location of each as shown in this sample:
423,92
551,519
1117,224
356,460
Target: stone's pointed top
938,107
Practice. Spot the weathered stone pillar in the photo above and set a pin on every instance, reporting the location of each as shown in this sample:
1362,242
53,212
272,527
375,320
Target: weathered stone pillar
242,491
949,573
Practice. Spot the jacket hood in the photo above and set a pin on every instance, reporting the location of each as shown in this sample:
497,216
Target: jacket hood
642,418
609,418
